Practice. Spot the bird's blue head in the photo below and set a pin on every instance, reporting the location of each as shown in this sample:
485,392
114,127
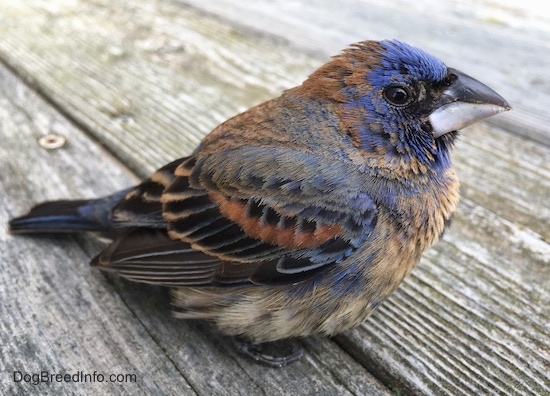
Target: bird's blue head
403,85
399,103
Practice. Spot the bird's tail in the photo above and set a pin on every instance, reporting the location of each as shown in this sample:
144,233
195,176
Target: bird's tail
68,216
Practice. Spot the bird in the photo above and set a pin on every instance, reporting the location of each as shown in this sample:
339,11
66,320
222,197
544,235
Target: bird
302,214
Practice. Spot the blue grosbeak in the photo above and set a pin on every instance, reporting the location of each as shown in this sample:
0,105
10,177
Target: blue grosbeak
302,214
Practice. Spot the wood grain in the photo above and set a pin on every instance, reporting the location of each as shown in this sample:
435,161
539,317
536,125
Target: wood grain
505,44
133,85
61,316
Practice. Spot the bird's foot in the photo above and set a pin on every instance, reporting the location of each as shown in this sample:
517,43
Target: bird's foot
272,354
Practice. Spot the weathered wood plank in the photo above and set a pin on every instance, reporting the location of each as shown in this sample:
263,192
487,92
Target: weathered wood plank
506,44
56,314
149,72
61,316
150,78
481,315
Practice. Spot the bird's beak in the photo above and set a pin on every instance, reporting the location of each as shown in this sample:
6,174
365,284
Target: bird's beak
463,103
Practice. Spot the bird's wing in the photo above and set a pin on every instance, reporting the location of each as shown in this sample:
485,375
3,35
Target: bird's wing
142,206
249,214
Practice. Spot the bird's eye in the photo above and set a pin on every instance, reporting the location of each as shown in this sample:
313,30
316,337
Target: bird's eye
398,95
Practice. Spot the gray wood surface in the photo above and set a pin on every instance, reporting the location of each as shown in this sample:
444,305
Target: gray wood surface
134,84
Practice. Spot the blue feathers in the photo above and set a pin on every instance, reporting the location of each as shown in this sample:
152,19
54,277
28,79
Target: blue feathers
403,59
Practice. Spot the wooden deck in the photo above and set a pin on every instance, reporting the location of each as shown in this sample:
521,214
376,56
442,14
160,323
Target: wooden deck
133,84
